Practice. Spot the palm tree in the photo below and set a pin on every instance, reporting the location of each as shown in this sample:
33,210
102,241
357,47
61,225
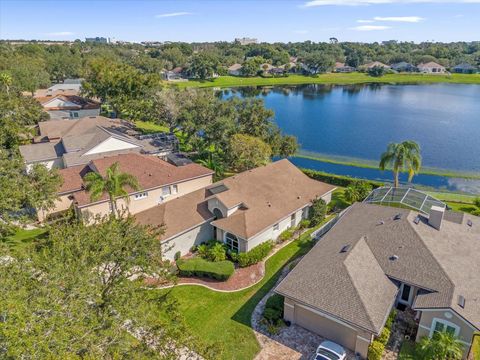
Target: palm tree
113,184
6,81
441,345
401,157
213,163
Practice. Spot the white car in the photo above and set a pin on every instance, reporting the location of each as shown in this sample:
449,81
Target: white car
328,350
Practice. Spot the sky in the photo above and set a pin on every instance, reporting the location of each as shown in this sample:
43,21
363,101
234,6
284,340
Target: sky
224,20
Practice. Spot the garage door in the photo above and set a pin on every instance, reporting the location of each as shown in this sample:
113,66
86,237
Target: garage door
325,327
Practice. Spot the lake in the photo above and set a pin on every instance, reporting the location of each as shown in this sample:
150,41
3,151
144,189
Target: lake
356,122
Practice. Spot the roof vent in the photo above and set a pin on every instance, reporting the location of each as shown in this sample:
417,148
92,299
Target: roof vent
298,197
461,301
470,223
416,220
345,248
269,204
381,222
393,258
397,217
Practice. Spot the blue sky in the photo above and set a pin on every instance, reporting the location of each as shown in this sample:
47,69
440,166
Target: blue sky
270,21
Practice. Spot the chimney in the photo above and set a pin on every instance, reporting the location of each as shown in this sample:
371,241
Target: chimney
436,216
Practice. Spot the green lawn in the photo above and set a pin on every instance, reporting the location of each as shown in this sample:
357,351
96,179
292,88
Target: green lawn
333,78
150,127
224,318
23,238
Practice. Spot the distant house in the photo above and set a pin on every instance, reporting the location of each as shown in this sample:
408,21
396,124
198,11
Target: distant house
176,74
403,67
98,39
374,64
66,104
160,181
242,211
266,67
67,143
342,68
246,41
235,70
465,68
431,68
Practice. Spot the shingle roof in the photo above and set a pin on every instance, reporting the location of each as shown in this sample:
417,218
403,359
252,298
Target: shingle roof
41,152
430,64
268,193
444,263
78,101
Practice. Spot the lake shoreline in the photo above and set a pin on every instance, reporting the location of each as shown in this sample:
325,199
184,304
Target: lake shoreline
331,79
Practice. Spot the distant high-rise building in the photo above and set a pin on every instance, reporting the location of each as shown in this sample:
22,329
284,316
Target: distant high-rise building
101,40
246,41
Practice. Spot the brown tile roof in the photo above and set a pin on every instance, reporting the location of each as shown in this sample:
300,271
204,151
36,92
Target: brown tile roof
150,171
72,178
280,184
444,263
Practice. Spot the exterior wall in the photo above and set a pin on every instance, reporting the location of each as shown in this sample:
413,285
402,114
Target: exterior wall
214,203
154,198
185,241
55,163
465,333
429,70
111,144
327,197
65,114
349,337
61,204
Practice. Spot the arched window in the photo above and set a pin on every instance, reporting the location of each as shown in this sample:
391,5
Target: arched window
217,213
231,241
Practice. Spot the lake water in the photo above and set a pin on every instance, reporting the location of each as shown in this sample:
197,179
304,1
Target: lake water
358,121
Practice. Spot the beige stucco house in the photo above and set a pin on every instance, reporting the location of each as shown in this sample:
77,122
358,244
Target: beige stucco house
160,181
242,211
376,258
431,68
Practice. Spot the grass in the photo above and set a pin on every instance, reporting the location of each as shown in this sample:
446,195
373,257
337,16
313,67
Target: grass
23,238
333,78
148,127
224,318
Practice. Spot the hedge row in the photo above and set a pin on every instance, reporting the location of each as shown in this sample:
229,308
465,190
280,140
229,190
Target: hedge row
337,180
257,254
220,270
377,346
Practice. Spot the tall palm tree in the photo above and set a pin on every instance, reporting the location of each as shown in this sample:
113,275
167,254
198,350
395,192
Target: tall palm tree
113,184
441,345
401,157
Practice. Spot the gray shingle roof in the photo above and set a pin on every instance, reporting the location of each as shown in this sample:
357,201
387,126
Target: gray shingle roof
41,152
443,262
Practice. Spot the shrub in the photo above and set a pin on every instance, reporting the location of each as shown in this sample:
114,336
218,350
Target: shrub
304,224
217,253
337,180
177,255
384,336
357,191
220,270
317,212
273,313
375,350
377,71
285,235
202,250
257,254
391,319
275,301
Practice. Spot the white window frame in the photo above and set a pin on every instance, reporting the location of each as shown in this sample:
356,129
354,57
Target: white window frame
174,189
410,295
230,242
168,189
445,323
140,196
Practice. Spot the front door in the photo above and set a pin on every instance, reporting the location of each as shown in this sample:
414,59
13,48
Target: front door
406,294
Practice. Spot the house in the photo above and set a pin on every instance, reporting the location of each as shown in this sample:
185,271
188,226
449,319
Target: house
403,66
242,211
67,143
431,68
465,68
375,64
176,74
65,104
68,87
246,41
235,70
378,257
99,40
266,67
342,68
160,181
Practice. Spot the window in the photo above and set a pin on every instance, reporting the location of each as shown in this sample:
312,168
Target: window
232,242
140,196
174,189
276,227
293,220
74,114
305,213
166,191
440,325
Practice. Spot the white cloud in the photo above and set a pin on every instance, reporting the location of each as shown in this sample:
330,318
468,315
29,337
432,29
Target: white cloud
408,19
365,21
300,31
370,28
181,13
313,3
60,33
